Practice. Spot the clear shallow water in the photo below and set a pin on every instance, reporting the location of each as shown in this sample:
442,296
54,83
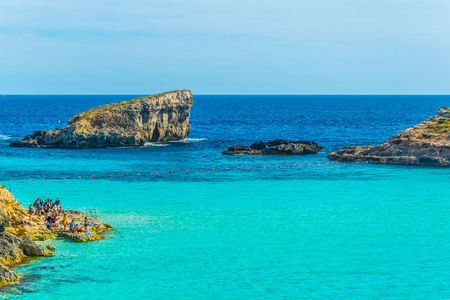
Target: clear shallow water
309,231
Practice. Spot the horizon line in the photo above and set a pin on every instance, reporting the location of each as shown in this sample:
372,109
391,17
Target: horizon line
231,94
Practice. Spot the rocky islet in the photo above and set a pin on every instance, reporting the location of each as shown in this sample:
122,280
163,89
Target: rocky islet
275,147
157,118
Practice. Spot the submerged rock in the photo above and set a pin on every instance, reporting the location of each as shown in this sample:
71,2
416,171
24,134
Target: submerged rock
161,117
275,147
427,143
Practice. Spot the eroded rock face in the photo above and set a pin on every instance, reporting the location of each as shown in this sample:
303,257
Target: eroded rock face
275,147
427,143
7,276
14,248
161,117
16,240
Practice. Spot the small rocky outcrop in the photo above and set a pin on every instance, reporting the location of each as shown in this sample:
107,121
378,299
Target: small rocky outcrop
7,276
427,143
275,147
17,241
161,117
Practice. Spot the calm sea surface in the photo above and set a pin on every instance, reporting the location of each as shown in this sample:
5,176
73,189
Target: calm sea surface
312,230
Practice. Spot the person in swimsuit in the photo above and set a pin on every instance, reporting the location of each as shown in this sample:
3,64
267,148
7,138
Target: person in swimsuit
85,224
65,222
30,211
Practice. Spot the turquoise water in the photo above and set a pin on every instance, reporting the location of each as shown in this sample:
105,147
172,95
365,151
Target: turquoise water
312,230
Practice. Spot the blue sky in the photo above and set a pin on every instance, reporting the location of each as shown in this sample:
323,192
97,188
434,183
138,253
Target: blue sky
225,47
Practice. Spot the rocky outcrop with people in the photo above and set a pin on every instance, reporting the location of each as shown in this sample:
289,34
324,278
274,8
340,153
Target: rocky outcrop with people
13,248
275,147
17,239
161,117
427,143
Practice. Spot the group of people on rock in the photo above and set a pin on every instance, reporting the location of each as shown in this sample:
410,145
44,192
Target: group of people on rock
51,210
44,207
75,229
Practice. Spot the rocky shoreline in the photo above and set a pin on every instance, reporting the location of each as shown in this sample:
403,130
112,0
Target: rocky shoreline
275,147
157,118
17,241
427,143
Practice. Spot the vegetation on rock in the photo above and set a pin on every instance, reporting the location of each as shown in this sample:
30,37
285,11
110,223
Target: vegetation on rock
161,117
427,143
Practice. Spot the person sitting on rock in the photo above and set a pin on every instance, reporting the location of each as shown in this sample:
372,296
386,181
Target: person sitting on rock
48,224
85,224
23,221
72,226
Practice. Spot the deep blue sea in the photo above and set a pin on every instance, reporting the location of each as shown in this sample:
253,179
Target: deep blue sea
300,227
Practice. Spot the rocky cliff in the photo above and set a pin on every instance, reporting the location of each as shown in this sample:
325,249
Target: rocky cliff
275,147
17,241
427,143
13,248
161,117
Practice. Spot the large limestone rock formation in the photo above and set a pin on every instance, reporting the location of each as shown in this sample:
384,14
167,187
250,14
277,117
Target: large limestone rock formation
161,117
427,143
275,147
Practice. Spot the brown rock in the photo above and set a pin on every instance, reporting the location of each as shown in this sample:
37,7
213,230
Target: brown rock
427,143
161,117
7,276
